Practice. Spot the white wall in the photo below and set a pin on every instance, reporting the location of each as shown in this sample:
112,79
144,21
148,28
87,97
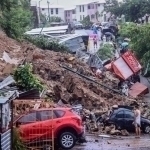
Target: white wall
81,14
73,17
60,14
101,9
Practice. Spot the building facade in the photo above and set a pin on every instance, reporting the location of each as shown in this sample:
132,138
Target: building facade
53,11
92,9
70,14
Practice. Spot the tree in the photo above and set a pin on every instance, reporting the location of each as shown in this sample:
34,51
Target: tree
55,19
97,14
139,36
15,17
132,9
86,21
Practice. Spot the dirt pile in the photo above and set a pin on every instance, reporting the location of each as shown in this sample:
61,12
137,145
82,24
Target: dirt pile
61,83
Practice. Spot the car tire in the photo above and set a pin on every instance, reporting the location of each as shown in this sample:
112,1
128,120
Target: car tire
67,140
147,129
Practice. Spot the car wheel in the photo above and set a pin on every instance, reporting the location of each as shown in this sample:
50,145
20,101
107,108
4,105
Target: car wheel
147,129
67,140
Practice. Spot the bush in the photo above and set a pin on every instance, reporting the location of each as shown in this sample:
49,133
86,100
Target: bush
105,51
45,43
26,79
17,142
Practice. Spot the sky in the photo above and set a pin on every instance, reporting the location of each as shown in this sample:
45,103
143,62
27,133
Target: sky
65,3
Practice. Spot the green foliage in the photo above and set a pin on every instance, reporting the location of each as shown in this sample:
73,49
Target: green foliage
105,51
55,19
45,43
15,17
17,142
131,9
140,44
86,21
26,79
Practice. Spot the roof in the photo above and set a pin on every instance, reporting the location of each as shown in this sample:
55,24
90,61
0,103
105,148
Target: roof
51,6
70,8
48,29
89,2
11,95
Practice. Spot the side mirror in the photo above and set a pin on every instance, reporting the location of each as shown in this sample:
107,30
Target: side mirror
18,124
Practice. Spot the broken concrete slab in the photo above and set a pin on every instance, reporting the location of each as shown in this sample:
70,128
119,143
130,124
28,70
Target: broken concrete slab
138,89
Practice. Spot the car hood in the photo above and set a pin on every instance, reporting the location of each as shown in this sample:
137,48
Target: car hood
143,119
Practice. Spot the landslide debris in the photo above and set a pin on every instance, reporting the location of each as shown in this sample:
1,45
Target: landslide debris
62,84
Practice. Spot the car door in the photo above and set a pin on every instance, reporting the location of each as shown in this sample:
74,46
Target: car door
27,126
119,121
129,119
47,123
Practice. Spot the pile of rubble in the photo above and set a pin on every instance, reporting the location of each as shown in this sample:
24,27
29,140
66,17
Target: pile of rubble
61,83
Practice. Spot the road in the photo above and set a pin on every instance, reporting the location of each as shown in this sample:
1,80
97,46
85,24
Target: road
117,143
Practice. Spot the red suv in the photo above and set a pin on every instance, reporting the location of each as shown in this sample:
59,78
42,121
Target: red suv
64,124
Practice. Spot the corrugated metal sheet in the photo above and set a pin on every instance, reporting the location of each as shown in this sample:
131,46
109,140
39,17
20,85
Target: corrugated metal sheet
31,94
6,140
9,80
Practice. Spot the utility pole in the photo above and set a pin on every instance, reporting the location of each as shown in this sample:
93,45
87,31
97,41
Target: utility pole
39,12
48,10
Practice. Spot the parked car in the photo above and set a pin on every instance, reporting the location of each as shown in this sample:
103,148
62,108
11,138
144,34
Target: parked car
78,25
123,118
64,123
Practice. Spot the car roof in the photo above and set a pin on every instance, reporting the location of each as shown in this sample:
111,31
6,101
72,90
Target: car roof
42,109
53,108
121,109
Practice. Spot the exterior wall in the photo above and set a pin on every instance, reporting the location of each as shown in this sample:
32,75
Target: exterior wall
100,8
70,15
81,12
92,9
53,13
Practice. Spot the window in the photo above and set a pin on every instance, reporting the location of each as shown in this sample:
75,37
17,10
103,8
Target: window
28,118
46,115
83,16
56,10
66,13
129,114
99,5
51,10
89,7
83,8
73,11
59,113
43,9
80,8
92,6
120,114
80,18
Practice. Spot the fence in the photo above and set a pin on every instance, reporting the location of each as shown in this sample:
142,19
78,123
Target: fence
30,119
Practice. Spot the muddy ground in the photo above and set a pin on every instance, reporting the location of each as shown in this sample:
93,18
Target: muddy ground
115,143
